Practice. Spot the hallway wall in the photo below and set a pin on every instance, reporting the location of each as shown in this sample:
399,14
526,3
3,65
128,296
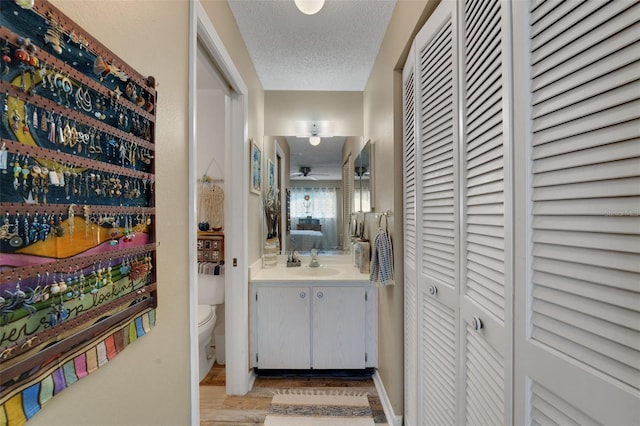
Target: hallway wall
283,108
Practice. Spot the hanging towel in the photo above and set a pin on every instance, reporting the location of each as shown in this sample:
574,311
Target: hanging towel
382,260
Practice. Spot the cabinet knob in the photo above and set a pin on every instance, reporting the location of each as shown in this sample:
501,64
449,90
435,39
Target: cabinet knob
476,323
433,290
303,295
320,295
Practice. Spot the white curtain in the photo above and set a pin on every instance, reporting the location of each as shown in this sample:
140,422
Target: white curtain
321,204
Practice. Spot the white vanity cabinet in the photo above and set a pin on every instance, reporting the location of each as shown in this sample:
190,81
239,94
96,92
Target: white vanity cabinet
313,325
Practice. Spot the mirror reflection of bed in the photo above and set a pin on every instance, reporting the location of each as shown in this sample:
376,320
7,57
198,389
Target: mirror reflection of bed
315,217
307,235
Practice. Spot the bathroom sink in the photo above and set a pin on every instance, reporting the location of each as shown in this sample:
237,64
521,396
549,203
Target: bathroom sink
332,269
320,271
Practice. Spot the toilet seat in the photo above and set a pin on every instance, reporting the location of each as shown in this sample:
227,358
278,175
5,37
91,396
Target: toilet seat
205,314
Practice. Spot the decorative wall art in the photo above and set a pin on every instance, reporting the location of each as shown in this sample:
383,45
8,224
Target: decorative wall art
77,216
271,176
256,168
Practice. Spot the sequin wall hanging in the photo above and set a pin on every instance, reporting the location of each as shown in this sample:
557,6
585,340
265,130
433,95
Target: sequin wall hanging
77,216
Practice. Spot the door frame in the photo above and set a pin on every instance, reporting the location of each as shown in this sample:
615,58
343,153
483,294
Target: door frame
239,377
283,173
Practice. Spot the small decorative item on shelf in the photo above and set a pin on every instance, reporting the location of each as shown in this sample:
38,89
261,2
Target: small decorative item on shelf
293,260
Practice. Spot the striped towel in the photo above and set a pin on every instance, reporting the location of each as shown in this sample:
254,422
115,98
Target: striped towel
382,260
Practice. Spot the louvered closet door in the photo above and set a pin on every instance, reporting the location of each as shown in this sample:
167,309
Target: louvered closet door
485,261
581,350
410,248
437,210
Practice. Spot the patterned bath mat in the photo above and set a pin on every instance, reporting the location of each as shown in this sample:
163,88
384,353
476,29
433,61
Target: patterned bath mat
307,407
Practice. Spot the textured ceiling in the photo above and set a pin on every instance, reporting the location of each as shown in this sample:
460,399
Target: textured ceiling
333,50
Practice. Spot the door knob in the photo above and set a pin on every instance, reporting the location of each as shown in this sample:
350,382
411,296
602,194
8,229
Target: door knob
433,290
476,323
320,295
303,295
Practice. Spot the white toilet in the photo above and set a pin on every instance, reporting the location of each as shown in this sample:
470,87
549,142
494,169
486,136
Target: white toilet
210,294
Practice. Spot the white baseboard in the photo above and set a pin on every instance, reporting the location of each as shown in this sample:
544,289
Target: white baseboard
252,379
392,418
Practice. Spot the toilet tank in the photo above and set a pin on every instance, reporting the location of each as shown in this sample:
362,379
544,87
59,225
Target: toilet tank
210,289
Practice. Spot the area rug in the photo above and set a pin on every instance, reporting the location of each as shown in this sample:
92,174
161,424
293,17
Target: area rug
319,407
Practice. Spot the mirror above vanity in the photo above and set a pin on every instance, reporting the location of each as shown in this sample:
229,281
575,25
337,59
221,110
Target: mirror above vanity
320,192
363,180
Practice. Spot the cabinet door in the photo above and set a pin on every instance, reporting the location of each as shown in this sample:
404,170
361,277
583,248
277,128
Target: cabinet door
283,327
339,332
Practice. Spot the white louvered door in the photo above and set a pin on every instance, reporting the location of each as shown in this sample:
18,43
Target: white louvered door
579,354
485,229
437,209
460,169
527,218
410,248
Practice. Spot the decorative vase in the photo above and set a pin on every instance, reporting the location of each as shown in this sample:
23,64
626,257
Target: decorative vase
270,253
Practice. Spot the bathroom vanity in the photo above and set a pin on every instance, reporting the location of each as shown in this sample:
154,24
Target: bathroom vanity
313,318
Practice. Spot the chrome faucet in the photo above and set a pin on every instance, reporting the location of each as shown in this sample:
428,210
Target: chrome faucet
314,259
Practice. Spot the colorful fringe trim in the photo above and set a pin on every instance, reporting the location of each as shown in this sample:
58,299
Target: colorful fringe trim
23,402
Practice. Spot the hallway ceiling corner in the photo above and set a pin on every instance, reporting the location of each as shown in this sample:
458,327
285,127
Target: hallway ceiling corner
333,50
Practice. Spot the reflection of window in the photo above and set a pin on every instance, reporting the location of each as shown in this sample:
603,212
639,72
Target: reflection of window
362,196
322,204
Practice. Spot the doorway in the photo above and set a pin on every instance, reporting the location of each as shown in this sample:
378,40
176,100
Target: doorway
211,113
205,41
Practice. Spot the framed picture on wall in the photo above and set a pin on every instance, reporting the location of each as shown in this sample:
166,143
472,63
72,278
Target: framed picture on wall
256,168
271,175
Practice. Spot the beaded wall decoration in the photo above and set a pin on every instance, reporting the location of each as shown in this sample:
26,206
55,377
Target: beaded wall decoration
77,211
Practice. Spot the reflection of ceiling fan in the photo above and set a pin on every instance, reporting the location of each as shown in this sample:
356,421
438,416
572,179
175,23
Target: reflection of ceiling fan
305,172
361,171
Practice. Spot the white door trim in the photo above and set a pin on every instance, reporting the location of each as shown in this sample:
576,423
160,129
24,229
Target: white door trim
236,151
284,174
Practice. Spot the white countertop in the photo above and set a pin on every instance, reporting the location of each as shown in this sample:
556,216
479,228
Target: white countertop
332,268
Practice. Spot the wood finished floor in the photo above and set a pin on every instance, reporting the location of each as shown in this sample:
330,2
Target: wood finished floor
217,409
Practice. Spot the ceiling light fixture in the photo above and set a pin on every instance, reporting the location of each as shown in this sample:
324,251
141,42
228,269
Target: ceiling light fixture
309,7
314,140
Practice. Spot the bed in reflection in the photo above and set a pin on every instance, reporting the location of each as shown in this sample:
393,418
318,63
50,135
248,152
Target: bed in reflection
305,240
